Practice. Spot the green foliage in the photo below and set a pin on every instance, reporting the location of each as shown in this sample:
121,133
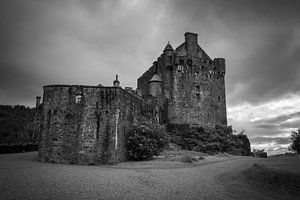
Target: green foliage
145,140
295,137
16,125
220,139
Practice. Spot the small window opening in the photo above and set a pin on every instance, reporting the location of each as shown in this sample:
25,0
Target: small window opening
198,96
181,61
179,68
49,116
197,88
219,99
170,67
190,62
78,98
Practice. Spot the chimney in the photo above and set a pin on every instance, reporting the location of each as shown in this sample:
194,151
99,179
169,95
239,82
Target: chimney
116,82
38,101
191,37
191,42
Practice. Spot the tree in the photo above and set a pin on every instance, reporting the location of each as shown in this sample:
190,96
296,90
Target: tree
295,137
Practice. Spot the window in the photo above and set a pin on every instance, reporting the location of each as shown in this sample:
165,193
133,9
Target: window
181,61
219,99
197,88
190,62
198,96
170,67
179,68
78,98
49,116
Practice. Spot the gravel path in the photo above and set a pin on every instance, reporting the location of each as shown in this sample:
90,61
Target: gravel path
22,177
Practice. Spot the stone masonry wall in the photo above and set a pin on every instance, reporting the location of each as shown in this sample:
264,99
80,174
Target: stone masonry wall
193,85
85,132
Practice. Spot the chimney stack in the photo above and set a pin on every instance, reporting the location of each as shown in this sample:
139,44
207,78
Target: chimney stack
38,101
191,37
191,42
116,82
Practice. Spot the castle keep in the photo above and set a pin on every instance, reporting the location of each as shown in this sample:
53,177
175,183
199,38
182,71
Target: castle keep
88,124
188,85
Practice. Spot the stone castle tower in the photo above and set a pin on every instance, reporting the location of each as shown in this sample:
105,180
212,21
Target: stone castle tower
188,85
84,124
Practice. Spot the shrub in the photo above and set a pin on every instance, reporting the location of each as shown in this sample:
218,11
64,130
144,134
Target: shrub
219,139
145,140
295,137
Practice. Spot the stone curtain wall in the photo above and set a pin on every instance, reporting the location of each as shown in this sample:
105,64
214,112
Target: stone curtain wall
84,132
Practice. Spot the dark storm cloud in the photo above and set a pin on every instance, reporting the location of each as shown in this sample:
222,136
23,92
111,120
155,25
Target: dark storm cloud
265,34
291,120
295,124
282,118
267,126
277,140
82,42
96,39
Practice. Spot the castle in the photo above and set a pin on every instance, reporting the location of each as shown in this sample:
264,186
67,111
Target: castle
81,124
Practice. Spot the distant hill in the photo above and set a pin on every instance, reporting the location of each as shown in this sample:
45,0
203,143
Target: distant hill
16,125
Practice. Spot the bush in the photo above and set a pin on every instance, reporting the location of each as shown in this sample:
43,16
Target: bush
145,140
295,137
17,148
219,139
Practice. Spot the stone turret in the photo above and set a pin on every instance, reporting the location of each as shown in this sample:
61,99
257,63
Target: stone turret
220,65
38,101
155,85
168,48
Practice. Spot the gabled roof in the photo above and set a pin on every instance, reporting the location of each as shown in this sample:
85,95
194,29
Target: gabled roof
168,48
156,78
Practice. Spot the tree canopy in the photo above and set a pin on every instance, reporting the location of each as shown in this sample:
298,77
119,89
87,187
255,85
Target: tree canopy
16,124
295,137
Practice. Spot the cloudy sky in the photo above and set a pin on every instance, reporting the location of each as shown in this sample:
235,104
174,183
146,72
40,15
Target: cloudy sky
89,41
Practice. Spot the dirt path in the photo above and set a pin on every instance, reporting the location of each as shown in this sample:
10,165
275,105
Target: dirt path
22,177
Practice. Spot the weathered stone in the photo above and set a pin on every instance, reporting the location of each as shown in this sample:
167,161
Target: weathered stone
85,132
88,124
193,85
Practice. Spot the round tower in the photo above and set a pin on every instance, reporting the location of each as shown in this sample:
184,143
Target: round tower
155,85
220,65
